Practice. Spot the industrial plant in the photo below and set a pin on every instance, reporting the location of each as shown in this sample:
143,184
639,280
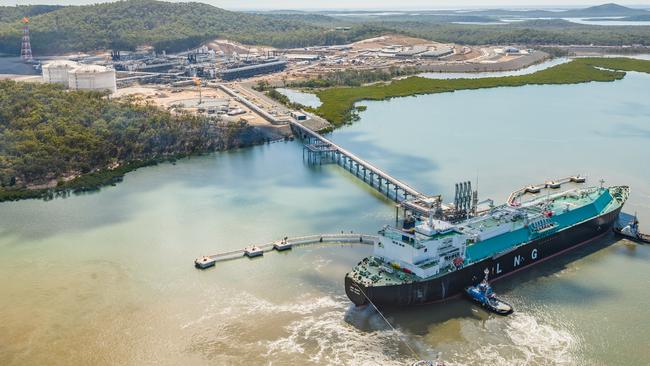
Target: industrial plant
76,76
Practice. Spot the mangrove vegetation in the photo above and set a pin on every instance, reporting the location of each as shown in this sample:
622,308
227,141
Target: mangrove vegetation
338,102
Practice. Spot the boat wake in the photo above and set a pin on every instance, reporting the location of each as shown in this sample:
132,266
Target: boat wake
328,339
525,341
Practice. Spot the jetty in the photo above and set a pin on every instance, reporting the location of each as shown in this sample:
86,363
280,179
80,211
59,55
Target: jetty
319,150
285,244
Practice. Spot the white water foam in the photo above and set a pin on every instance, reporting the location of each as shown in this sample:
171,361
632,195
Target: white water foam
327,339
526,341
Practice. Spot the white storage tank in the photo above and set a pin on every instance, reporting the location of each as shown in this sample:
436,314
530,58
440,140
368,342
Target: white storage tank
92,77
58,71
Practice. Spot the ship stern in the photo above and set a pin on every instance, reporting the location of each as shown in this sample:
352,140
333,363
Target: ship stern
356,292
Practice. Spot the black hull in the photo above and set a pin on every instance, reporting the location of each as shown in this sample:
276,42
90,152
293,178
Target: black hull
454,283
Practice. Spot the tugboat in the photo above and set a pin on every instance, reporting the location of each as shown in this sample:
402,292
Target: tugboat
631,231
484,296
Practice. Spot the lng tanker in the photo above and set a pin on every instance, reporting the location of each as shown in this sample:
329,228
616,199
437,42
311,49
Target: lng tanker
436,256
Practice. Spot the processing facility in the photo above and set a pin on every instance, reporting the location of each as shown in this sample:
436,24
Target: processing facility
76,76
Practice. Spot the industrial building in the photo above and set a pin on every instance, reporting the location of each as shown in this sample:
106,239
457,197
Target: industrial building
415,50
437,53
298,116
78,76
252,70
302,56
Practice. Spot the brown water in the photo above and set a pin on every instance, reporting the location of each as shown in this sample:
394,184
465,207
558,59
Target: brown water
107,278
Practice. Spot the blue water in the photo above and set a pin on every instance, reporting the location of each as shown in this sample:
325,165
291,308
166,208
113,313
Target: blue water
511,137
606,21
307,99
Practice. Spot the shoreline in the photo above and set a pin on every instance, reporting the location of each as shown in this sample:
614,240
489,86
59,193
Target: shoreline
589,69
338,103
95,181
522,62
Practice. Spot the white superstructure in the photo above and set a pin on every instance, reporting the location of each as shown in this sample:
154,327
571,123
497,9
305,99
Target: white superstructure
78,76
424,251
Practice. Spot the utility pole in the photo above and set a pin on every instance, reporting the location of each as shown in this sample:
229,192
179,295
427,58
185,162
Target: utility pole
197,82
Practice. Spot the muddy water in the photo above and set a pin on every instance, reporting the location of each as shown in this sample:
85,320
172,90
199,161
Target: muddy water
107,278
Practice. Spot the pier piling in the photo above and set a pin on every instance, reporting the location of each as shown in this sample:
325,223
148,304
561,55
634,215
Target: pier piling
319,150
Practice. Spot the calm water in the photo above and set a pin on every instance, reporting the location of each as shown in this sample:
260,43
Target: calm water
476,75
603,21
14,65
308,99
107,278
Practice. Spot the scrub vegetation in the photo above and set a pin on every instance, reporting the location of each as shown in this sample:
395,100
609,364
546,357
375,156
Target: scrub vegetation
164,25
338,103
173,27
54,141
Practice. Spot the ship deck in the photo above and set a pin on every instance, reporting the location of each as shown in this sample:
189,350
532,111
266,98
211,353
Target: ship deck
373,271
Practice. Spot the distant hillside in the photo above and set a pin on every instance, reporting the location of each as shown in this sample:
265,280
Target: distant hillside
179,26
167,26
605,10
14,13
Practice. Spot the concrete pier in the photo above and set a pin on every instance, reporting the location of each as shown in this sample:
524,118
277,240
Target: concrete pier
288,243
319,150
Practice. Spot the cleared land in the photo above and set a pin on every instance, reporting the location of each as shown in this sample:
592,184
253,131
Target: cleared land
338,103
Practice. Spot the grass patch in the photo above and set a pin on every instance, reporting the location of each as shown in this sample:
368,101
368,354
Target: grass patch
338,103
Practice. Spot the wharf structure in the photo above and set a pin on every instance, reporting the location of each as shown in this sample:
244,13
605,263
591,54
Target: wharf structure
318,150
285,244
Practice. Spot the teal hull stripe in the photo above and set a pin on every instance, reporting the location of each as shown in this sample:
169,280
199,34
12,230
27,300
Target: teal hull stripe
500,243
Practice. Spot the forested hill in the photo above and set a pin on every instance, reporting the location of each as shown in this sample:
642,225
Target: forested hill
48,134
13,13
179,26
165,25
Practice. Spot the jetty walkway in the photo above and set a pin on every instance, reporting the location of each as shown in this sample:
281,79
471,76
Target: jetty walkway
288,243
319,150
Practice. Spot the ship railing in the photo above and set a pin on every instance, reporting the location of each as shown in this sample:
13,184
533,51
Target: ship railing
400,235
557,183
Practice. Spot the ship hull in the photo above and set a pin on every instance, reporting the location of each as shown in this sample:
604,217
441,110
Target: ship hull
500,265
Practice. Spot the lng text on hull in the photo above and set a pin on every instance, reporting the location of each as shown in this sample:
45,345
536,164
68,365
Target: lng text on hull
432,258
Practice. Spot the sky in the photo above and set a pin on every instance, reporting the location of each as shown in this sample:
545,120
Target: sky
369,4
